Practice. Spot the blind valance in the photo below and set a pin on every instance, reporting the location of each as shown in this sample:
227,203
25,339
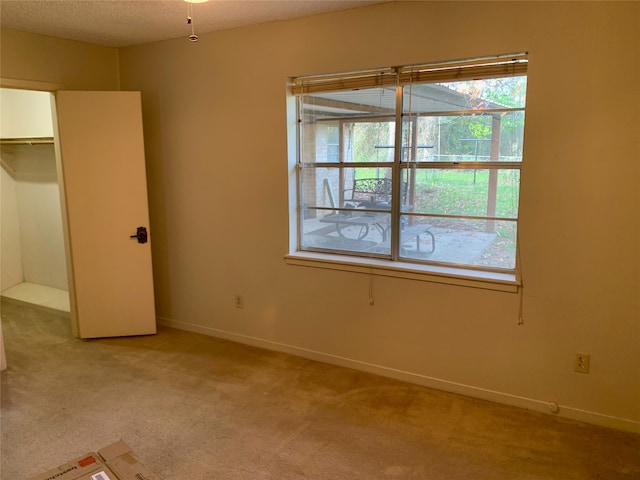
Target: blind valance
349,81
487,67
512,66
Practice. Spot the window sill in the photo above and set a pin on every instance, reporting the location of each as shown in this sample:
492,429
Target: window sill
504,282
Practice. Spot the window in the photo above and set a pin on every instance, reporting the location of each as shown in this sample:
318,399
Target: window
417,164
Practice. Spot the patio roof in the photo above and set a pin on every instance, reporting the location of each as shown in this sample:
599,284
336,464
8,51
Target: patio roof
425,98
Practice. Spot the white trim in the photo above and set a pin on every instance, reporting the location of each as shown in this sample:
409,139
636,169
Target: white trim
30,85
542,406
504,282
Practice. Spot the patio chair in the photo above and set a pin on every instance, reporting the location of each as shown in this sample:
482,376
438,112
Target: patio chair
374,193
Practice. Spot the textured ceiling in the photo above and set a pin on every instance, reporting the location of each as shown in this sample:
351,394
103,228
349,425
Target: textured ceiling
120,23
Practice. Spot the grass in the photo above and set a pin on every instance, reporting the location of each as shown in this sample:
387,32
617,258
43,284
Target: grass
461,192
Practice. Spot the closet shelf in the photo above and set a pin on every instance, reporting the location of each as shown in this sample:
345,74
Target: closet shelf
27,141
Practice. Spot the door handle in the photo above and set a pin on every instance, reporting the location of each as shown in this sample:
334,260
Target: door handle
141,235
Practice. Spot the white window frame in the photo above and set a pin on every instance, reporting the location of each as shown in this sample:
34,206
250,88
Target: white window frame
487,278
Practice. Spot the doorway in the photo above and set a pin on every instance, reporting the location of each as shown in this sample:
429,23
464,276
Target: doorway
34,264
104,210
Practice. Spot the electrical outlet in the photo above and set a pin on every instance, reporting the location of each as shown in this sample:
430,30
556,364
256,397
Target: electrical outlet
582,362
239,301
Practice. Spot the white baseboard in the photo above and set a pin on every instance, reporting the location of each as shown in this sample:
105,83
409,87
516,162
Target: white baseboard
431,382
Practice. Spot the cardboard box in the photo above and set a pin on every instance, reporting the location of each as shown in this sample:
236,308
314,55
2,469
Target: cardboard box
114,462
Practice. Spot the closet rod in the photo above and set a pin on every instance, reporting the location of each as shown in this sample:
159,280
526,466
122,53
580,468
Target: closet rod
26,141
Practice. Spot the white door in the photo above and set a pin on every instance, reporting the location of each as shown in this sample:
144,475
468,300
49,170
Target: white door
102,176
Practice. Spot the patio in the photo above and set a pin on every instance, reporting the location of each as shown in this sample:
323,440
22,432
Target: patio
451,246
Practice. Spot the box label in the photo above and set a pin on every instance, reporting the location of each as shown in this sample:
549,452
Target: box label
100,476
86,461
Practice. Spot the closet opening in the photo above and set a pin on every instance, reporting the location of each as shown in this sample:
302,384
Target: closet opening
33,257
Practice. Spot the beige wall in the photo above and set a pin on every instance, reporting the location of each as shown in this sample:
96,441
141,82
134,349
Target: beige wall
217,161
215,126
11,272
33,216
68,64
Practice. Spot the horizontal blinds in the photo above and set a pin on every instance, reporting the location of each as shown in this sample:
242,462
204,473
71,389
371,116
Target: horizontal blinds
348,81
501,66
487,68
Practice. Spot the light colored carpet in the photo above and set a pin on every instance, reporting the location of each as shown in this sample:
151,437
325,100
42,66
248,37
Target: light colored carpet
194,407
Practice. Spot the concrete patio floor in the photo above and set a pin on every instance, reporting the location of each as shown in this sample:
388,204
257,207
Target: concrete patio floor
451,246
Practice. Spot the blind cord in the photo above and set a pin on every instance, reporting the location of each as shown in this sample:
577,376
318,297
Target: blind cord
521,286
371,298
